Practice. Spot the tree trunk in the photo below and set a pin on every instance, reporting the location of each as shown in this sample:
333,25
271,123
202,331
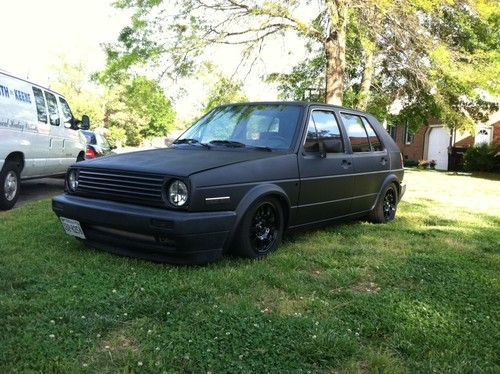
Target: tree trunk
366,80
335,47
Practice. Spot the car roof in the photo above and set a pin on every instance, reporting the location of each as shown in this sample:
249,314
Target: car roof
304,104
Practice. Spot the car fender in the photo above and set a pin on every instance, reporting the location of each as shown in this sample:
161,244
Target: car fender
253,195
391,178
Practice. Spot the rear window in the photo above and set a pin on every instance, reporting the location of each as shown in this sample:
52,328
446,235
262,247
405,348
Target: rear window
356,133
41,109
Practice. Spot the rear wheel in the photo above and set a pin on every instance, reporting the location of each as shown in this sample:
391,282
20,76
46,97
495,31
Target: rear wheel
385,210
261,229
10,185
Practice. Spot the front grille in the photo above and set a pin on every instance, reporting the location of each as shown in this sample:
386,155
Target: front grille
121,186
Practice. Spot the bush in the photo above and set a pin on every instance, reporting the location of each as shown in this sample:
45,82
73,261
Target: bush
482,157
411,163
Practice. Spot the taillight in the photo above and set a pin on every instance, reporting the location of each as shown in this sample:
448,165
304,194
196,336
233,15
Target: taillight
90,153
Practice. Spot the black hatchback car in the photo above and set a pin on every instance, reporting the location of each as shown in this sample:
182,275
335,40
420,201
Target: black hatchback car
234,182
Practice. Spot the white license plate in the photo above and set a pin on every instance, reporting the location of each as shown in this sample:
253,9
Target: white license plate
72,227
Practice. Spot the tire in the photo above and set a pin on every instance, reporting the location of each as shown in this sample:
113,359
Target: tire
385,210
10,185
261,229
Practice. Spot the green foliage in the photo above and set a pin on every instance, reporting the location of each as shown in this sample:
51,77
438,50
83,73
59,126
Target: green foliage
305,81
116,136
139,107
482,157
224,91
83,95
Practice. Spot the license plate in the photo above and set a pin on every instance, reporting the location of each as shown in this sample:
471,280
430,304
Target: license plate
72,227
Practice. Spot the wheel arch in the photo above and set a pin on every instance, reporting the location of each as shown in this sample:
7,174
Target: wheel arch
17,157
390,179
256,193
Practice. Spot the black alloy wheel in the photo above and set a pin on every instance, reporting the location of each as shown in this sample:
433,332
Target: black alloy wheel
261,229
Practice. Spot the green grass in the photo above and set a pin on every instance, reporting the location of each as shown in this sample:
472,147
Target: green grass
419,294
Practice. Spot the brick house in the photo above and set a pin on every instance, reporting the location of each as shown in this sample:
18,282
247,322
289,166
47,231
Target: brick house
439,143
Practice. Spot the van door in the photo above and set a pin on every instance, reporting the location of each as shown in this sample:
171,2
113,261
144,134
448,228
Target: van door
326,183
36,158
370,160
56,140
73,143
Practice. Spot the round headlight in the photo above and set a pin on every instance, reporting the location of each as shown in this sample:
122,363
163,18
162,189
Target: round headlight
73,180
177,193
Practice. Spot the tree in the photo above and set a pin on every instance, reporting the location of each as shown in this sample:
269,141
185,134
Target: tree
140,107
224,91
83,95
374,52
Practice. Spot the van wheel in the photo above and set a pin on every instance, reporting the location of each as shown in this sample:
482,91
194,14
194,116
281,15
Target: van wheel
10,185
385,210
261,229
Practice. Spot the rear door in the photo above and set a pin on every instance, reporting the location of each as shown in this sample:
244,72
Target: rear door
325,182
369,158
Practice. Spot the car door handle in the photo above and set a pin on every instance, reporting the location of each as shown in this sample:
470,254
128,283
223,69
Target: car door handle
346,164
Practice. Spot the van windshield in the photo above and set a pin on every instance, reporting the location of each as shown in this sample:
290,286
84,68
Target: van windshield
272,126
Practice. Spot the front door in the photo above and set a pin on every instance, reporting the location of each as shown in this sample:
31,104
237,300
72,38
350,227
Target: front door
370,161
56,138
325,177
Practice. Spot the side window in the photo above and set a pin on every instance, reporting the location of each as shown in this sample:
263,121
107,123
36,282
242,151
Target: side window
327,130
372,136
356,132
41,110
66,111
53,109
312,143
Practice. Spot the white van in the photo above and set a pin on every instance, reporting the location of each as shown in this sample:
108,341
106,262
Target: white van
39,137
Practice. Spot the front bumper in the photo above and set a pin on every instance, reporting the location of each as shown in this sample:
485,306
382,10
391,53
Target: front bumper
150,233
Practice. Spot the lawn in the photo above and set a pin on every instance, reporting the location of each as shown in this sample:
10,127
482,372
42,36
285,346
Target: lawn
419,294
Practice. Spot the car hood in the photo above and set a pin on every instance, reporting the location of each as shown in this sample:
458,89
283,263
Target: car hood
177,161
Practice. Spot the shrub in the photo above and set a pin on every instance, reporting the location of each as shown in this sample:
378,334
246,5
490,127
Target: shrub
411,163
423,164
482,157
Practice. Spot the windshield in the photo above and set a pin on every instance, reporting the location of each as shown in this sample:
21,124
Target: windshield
263,125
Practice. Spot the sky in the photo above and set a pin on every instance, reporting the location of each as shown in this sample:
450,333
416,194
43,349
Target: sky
35,35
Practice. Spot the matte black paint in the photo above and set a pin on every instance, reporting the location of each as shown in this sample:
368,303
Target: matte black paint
310,188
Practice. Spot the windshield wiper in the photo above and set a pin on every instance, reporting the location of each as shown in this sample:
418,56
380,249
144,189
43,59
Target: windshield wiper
228,143
191,141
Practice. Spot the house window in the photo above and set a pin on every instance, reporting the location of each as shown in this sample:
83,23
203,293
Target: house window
408,135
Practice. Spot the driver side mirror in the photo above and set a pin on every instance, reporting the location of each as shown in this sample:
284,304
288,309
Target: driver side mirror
85,124
330,146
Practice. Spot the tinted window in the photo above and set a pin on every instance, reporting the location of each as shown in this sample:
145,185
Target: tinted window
327,129
372,136
356,132
53,109
263,125
66,111
41,110
311,144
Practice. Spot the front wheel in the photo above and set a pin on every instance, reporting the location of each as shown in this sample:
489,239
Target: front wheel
261,229
385,210
10,185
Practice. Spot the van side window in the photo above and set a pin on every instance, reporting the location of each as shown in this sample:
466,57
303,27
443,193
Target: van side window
41,110
66,111
327,129
53,109
372,136
356,132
